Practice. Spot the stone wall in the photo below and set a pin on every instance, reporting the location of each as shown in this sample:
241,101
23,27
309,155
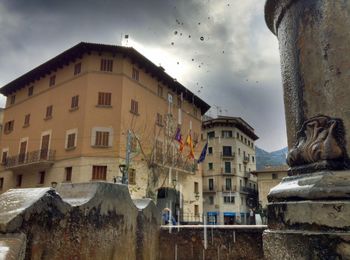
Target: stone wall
80,221
222,242
99,220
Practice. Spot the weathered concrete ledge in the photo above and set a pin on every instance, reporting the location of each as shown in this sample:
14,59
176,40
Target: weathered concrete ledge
84,221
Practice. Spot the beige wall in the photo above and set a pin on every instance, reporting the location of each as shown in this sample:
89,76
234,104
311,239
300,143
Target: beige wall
266,182
117,117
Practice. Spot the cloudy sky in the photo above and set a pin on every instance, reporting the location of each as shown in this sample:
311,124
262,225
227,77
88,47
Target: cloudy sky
219,49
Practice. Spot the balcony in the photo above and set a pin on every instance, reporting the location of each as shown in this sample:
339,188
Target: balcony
207,189
229,189
245,159
246,174
40,159
227,156
248,191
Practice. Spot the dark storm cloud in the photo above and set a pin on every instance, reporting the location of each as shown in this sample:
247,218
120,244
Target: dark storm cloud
219,49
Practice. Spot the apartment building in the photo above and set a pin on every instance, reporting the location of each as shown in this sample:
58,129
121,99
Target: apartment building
229,188
72,118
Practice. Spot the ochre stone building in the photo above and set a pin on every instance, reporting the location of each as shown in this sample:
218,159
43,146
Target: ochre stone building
268,178
229,187
68,120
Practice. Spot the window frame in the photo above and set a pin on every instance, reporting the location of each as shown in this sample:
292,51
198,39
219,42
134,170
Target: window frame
104,99
99,172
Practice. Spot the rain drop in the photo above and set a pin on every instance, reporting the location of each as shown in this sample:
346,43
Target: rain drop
202,38
175,32
178,62
180,34
172,43
192,59
189,36
199,23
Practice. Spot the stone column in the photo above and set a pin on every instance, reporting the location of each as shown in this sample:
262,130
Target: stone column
309,211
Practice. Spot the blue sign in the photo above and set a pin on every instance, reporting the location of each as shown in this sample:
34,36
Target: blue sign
229,214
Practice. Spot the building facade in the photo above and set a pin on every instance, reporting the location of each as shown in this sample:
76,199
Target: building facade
72,119
229,188
268,178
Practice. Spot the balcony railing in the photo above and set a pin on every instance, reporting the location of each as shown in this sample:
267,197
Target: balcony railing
245,159
30,158
248,190
229,189
227,156
246,174
207,189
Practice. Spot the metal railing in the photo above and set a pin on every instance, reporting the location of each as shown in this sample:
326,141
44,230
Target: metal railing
249,190
246,159
227,156
229,189
29,158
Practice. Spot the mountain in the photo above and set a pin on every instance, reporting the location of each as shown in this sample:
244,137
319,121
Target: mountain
264,158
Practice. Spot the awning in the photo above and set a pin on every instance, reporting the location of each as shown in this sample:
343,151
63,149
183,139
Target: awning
229,214
212,213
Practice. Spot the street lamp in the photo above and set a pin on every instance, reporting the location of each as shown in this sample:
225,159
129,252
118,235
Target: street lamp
124,171
174,181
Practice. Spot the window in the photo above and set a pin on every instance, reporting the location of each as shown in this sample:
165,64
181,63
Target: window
210,150
71,141
99,172
227,167
237,135
252,158
210,166
75,102
240,167
4,157
13,99
239,151
104,99
106,65
26,120
41,177
226,134
248,142
135,74
1,183
134,107
211,184
229,199
68,173
211,134
19,180
102,139
196,210
242,138
132,176
77,68
160,91
211,200
195,112
52,80
8,128
30,91
274,176
196,187
242,201
159,119
228,184
48,112
227,151
179,102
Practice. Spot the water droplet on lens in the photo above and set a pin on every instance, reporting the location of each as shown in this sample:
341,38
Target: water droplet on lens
202,38
172,43
175,32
